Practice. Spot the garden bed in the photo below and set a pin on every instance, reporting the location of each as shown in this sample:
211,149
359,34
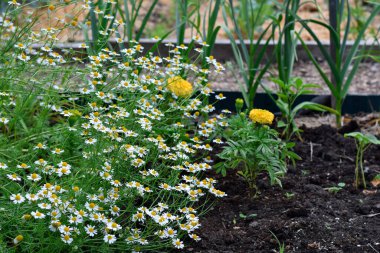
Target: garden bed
117,151
304,214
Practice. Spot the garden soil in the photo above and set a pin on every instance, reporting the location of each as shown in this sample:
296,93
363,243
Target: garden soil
304,215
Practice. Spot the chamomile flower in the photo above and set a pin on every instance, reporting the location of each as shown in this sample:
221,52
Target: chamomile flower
41,162
14,177
90,230
110,239
23,57
57,151
195,237
66,238
178,244
220,96
75,219
17,198
34,177
18,239
38,215
138,163
4,120
44,205
31,197
23,166
91,206
139,216
113,226
170,232
115,210
20,46
218,141
91,141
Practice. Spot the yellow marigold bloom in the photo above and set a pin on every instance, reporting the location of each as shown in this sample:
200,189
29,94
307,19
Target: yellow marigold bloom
179,86
261,116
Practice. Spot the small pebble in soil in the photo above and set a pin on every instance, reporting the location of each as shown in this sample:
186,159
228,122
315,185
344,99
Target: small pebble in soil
253,224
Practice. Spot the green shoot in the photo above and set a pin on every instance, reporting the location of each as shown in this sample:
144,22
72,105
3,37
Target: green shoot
363,142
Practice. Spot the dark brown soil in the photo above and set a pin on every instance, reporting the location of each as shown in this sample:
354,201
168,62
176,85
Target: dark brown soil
304,215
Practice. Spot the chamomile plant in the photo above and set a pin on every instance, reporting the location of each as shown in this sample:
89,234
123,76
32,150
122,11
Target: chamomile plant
117,162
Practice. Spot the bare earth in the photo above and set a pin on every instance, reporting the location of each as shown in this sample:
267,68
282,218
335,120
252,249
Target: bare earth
366,80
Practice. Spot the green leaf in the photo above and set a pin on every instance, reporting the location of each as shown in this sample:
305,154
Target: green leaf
281,124
314,106
341,184
364,138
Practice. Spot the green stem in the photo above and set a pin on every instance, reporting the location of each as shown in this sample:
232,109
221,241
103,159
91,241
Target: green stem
361,167
357,167
338,108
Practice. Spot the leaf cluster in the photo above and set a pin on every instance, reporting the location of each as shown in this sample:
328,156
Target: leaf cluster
287,95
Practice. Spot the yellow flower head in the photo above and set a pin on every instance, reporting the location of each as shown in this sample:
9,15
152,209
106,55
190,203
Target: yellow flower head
261,116
179,86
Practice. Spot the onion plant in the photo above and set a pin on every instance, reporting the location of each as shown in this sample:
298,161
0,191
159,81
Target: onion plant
346,61
184,12
102,25
104,22
209,36
285,99
130,15
250,58
289,87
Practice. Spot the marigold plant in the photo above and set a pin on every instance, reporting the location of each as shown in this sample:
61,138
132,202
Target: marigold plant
253,148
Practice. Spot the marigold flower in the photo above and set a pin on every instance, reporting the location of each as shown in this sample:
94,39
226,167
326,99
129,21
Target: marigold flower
179,86
261,116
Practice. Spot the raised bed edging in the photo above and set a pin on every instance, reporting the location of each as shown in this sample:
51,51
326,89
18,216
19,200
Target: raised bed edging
352,104
222,49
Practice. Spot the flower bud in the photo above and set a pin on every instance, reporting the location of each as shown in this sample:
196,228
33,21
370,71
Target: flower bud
239,104
26,216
